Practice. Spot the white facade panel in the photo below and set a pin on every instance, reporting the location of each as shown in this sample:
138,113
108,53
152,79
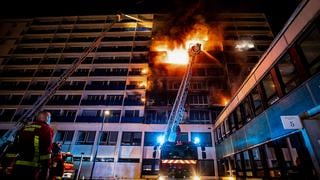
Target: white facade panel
130,152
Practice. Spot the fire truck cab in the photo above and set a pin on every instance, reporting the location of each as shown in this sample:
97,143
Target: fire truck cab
178,161
69,170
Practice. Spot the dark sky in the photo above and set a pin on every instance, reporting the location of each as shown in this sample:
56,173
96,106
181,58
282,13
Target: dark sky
277,11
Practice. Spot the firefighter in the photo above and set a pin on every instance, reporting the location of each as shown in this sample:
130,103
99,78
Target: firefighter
57,167
34,145
178,136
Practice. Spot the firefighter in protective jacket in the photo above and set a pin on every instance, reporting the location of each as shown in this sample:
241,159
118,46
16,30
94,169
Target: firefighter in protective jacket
34,145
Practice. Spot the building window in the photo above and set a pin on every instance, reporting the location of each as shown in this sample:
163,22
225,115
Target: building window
92,113
205,138
131,139
86,137
108,138
239,166
256,101
150,138
247,163
95,97
232,122
198,99
199,85
129,160
173,85
270,89
199,115
227,126
64,137
257,161
288,74
69,113
247,110
239,116
131,113
311,50
150,166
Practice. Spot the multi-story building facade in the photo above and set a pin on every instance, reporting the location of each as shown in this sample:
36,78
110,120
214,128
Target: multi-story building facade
270,127
36,51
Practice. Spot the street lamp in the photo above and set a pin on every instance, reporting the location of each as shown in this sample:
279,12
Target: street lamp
106,113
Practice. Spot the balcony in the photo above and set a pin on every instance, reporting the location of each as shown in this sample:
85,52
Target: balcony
121,38
117,102
133,86
49,61
93,102
104,72
133,102
6,115
46,73
96,119
89,119
81,73
72,87
82,39
131,119
29,50
40,31
104,87
30,101
13,86
12,101
110,61
141,48
16,73
74,50
139,60
86,30
63,118
46,40
5,118
37,86
23,62
135,73
115,49
64,102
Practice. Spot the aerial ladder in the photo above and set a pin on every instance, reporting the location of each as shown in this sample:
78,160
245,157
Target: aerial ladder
9,137
178,109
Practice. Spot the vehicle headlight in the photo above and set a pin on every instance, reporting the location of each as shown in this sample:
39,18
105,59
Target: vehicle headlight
161,178
67,175
196,178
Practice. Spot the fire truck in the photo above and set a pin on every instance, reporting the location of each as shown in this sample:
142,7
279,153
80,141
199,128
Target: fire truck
177,159
69,170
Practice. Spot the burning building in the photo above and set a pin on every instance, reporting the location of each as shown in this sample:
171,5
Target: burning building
134,73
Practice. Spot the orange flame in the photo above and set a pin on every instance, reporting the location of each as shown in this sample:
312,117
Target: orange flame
225,101
177,53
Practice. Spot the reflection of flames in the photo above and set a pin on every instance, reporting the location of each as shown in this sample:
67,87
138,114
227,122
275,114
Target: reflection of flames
177,51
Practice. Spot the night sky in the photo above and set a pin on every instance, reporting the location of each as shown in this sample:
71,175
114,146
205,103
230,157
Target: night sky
277,11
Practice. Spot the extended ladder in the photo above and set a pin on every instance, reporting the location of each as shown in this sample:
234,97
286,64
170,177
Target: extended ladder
177,111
